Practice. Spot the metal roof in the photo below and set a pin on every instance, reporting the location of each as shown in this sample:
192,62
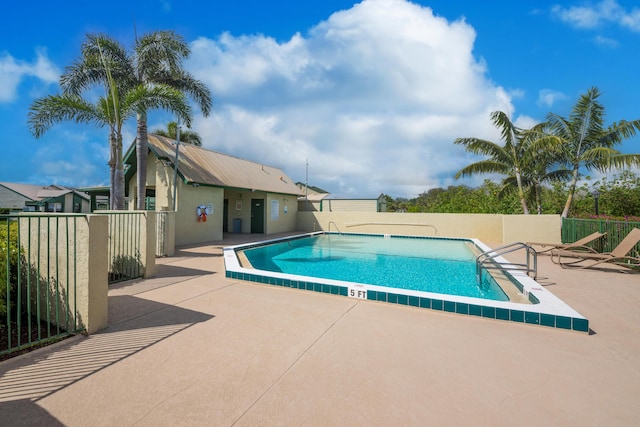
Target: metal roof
206,167
352,197
40,192
315,197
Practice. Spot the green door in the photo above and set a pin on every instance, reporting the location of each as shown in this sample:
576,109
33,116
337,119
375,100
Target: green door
257,215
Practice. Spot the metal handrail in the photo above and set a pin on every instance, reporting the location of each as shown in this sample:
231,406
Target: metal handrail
490,256
394,223
335,225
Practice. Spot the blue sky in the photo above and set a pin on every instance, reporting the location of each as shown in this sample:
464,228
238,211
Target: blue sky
372,93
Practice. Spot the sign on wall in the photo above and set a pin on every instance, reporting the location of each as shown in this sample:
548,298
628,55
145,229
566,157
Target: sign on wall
275,210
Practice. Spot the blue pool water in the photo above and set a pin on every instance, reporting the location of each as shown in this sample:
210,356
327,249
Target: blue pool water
445,266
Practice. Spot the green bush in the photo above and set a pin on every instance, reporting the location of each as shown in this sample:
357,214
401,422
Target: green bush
9,258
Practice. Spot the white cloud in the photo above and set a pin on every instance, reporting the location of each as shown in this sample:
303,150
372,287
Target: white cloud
13,72
606,42
548,97
631,20
606,11
76,157
374,97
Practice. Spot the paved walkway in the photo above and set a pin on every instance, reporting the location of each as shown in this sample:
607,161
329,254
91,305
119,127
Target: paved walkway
191,347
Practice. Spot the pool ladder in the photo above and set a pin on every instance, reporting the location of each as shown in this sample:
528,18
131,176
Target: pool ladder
530,266
335,225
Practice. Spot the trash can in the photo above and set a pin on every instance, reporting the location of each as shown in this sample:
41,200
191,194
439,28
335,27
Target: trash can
237,225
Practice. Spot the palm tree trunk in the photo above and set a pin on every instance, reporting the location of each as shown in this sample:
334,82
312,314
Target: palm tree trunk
118,185
141,155
572,190
538,199
523,201
112,170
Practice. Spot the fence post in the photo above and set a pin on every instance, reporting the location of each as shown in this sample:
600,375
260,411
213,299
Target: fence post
149,243
92,267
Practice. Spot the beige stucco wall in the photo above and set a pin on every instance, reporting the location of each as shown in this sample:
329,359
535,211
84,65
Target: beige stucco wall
163,179
532,228
273,223
284,219
240,207
339,205
85,205
486,227
95,307
68,252
154,168
188,229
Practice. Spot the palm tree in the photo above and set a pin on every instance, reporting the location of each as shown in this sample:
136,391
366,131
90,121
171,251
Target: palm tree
120,102
46,112
156,60
186,136
587,143
541,164
507,159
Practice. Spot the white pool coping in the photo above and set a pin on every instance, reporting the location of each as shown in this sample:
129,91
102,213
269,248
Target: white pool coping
550,310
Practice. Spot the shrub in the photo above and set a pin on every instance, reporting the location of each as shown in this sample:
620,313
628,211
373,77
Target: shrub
9,258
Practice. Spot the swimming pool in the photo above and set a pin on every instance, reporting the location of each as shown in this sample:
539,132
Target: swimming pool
444,266
294,262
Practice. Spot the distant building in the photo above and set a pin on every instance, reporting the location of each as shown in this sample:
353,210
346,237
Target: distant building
312,197
326,202
354,203
39,198
310,189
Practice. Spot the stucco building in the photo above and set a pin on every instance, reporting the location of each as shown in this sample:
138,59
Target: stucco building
215,192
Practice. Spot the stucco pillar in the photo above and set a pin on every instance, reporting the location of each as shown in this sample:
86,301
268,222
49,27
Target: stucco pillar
92,268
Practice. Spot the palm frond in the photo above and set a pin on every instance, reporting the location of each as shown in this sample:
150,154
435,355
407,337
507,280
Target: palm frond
484,166
53,109
144,97
194,88
160,51
508,131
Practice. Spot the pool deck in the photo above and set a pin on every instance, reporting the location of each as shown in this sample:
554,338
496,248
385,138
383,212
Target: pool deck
192,347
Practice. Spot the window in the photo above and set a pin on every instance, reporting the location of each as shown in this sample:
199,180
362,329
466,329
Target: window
54,207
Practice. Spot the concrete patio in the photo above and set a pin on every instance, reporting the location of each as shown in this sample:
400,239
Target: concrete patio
191,347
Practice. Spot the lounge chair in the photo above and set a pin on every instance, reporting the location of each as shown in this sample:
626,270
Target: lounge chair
618,256
578,245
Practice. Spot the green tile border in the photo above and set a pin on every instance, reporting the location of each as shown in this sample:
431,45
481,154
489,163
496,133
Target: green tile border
502,313
517,316
581,325
497,313
462,308
475,310
450,306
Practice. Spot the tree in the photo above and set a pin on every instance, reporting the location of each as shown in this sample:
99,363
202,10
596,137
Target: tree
186,136
540,165
507,159
120,102
155,60
587,143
